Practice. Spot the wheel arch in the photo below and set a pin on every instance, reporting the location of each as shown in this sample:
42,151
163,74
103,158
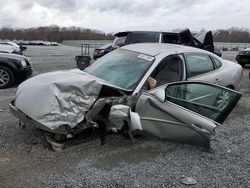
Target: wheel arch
10,66
231,87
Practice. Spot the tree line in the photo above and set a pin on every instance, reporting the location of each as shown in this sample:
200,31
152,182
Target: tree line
53,33
58,34
233,34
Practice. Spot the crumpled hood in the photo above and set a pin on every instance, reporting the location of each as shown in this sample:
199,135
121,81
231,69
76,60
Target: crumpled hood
58,98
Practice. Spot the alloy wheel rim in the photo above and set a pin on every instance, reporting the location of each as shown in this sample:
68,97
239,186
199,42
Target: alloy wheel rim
223,101
4,77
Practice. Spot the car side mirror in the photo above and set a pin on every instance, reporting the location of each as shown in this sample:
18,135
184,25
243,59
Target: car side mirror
159,94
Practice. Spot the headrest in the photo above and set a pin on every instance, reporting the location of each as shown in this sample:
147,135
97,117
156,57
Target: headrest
174,64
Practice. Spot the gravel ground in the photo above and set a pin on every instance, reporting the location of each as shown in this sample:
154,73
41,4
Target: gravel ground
26,160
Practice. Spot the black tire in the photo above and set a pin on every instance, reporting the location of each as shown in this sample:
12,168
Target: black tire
60,137
6,77
242,64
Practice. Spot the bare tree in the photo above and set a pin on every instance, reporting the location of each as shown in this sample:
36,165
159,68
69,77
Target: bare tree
233,34
53,33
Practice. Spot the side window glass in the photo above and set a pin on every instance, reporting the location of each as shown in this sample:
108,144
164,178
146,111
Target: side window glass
171,38
119,41
210,101
142,37
168,71
198,64
217,62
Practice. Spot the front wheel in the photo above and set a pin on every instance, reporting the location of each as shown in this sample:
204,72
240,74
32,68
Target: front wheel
6,77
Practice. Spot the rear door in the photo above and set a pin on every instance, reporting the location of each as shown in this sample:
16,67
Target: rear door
186,111
200,66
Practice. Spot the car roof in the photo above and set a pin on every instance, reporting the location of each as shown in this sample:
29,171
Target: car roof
154,49
123,33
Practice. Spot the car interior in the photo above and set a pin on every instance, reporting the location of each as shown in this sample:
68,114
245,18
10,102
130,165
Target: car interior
168,71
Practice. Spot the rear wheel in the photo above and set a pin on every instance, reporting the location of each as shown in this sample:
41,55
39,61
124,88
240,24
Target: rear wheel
6,77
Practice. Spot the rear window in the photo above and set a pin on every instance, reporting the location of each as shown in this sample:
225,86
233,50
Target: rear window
171,38
142,37
119,41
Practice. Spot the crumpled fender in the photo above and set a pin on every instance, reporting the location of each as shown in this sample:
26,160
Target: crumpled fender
58,98
120,113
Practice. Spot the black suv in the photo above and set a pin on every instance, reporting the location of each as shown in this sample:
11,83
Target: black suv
13,69
201,40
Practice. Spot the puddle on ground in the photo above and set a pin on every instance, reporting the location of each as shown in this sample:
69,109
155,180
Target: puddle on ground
127,157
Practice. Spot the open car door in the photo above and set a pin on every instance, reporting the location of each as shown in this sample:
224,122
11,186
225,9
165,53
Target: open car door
185,111
186,38
205,41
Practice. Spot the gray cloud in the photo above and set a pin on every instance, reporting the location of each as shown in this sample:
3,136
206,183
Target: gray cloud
26,4
62,5
118,15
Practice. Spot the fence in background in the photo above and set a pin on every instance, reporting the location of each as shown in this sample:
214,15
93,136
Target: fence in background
91,43
225,46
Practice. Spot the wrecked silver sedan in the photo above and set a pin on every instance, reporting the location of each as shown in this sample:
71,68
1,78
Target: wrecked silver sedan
114,93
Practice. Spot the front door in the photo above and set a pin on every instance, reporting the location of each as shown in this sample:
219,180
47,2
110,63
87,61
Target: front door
186,111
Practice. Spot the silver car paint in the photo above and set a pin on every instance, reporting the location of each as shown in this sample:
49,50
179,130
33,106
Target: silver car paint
229,74
70,95
162,120
57,98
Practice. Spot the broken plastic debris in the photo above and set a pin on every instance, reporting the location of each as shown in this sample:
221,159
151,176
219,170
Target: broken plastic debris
188,180
118,114
54,145
135,121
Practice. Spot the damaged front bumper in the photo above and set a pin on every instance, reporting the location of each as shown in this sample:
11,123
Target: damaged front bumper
63,130
119,110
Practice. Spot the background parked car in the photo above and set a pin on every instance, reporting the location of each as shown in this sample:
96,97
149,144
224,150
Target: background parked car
101,51
37,42
218,52
9,49
17,47
203,40
243,57
13,69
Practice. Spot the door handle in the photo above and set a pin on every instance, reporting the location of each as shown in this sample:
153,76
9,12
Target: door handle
200,129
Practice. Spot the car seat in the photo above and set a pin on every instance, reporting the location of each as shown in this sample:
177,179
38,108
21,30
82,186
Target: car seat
170,71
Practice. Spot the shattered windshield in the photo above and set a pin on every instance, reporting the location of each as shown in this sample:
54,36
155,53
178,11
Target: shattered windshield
121,68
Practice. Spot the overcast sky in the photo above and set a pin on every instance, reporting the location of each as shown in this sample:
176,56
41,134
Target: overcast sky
120,15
